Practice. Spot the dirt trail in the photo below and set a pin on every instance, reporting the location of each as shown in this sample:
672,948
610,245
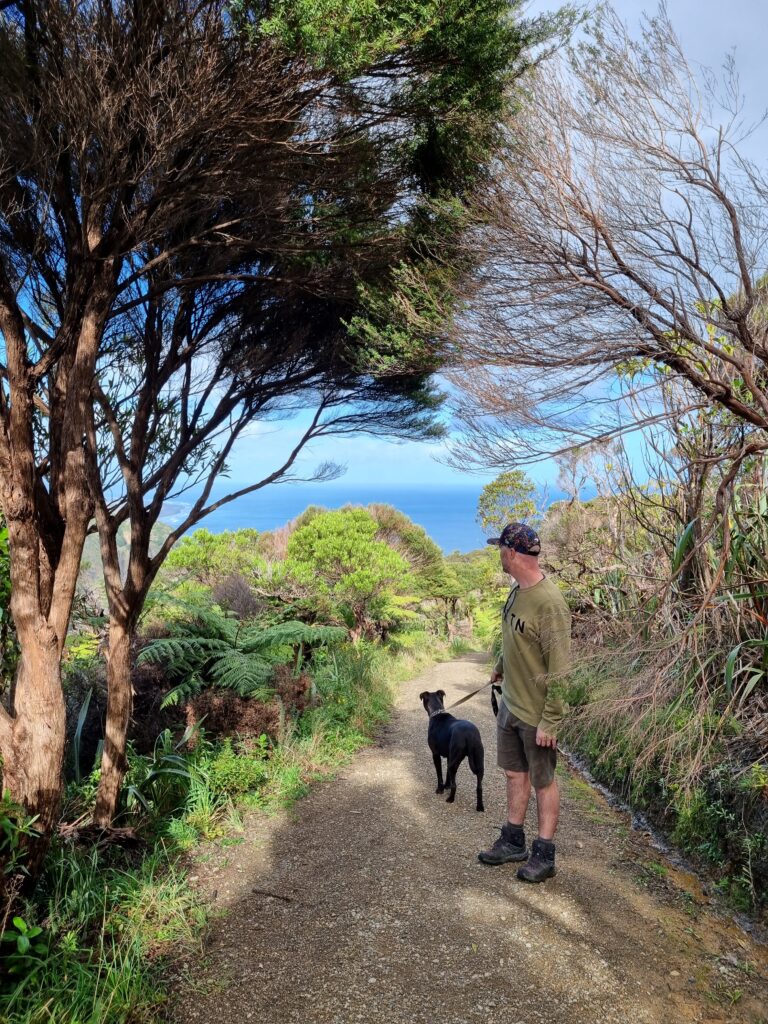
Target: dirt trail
367,903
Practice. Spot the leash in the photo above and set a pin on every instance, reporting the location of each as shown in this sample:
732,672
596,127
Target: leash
461,700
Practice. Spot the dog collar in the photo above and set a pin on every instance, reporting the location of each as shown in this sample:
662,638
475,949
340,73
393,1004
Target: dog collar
434,714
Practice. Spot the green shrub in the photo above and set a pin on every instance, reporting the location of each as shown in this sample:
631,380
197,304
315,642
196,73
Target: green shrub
181,833
487,628
26,948
214,649
460,645
160,783
209,812
338,557
235,772
413,640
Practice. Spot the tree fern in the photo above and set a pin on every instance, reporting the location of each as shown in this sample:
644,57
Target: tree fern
291,634
247,674
211,648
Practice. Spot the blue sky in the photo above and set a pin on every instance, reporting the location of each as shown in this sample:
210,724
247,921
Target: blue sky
708,30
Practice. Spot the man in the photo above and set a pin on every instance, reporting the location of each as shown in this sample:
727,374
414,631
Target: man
536,635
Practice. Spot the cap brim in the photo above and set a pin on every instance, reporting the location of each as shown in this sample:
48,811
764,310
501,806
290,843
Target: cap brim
494,540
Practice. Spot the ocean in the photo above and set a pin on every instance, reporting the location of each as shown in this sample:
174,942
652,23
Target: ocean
447,513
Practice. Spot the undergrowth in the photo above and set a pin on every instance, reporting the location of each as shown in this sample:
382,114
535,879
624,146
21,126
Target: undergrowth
718,816
108,924
104,925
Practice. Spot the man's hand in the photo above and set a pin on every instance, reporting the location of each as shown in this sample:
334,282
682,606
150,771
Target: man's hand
496,676
543,740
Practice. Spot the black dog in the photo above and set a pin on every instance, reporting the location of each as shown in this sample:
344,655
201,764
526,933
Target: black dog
455,739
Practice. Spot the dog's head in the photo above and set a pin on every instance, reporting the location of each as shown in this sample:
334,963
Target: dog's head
432,701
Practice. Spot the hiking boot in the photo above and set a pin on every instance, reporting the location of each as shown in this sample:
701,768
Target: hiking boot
541,864
509,846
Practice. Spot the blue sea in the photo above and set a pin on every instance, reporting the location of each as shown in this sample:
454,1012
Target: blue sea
447,513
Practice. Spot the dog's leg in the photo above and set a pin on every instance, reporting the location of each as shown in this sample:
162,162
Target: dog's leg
439,769
476,763
450,780
480,804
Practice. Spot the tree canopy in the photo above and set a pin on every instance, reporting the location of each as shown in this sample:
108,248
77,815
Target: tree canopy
625,245
508,498
338,555
209,215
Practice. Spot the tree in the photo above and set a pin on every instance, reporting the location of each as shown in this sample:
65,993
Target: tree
626,228
509,498
203,221
406,537
337,555
214,556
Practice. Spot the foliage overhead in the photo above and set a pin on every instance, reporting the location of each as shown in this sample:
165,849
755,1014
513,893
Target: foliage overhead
210,216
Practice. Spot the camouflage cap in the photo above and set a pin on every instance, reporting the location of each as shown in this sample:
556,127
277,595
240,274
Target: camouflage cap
518,537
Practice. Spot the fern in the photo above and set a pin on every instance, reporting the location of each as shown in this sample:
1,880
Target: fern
181,693
291,634
247,675
179,653
214,649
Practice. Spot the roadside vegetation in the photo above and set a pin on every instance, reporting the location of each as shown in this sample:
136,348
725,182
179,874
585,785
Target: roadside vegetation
669,696
668,591
262,663
617,322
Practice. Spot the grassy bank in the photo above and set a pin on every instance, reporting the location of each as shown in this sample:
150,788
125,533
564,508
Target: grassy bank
688,767
113,921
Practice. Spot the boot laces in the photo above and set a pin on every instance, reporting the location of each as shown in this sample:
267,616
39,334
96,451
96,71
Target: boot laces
501,840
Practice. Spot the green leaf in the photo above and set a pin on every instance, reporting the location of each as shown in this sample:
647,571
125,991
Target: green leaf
730,663
751,683
134,793
683,546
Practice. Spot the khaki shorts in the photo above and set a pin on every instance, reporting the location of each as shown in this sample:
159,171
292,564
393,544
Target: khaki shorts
517,750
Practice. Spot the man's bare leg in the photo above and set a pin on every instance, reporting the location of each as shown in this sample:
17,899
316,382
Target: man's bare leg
518,795
548,809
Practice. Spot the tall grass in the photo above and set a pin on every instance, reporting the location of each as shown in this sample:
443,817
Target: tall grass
645,754
672,691
109,923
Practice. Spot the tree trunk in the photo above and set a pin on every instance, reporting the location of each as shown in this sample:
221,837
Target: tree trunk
34,748
119,708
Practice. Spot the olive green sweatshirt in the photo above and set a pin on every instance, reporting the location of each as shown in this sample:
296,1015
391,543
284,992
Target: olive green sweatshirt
536,633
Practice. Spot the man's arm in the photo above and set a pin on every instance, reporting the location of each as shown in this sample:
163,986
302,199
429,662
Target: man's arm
555,634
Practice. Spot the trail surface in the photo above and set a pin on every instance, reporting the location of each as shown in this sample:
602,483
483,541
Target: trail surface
366,902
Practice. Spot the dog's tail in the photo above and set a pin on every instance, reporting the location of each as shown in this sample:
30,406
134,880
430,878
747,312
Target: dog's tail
476,760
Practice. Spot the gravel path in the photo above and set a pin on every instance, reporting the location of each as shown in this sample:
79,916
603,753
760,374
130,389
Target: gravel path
366,902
